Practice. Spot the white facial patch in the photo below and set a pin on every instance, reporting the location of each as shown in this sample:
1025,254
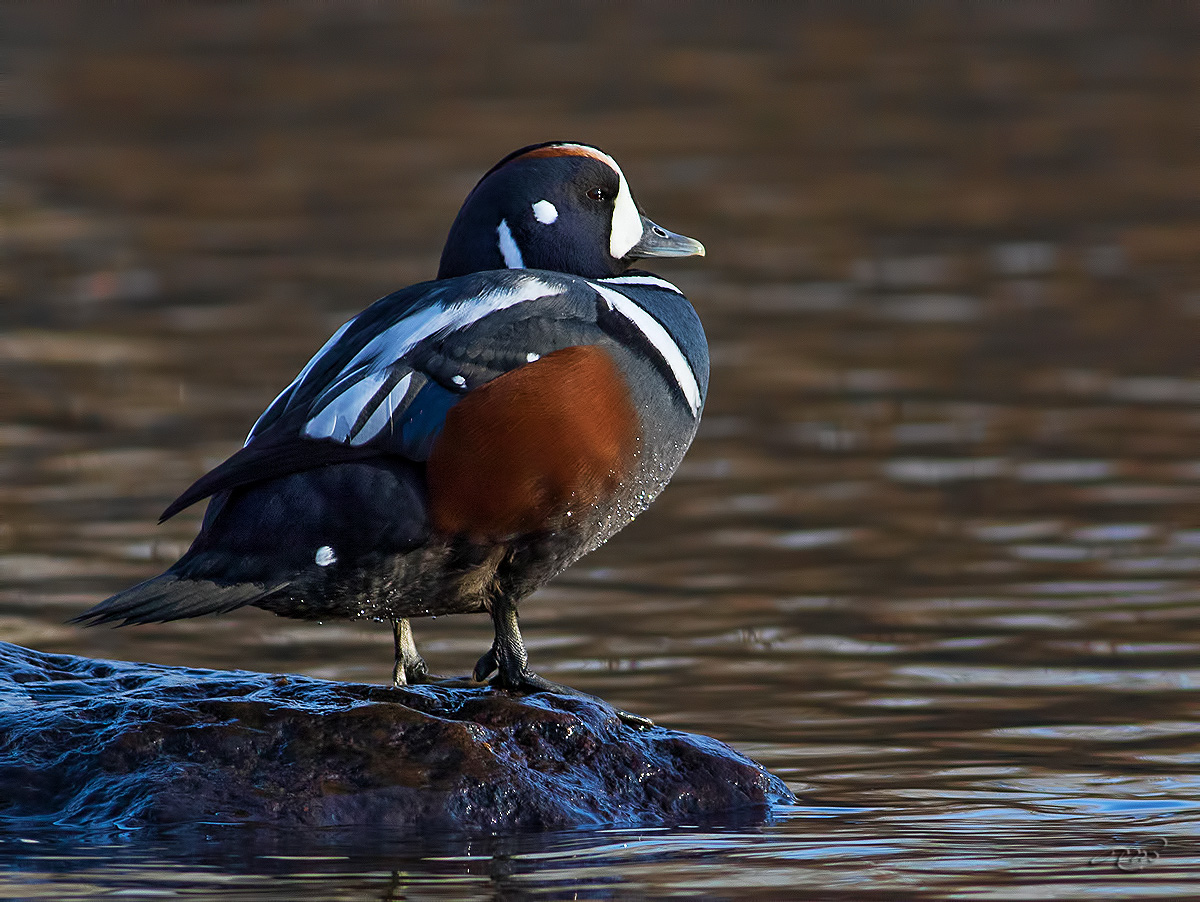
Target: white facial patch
325,556
627,221
545,212
508,247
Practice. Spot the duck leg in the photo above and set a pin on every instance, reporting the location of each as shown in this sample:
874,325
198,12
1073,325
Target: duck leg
510,662
410,667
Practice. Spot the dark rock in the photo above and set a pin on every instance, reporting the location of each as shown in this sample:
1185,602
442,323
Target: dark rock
107,744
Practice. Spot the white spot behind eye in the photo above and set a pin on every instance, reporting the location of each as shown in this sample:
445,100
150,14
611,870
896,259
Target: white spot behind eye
508,247
459,380
325,556
545,212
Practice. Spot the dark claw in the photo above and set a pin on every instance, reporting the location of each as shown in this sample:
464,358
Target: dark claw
486,666
637,721
410,668
528,683
412,673
508,658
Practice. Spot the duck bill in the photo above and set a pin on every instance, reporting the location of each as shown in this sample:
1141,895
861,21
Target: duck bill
658,242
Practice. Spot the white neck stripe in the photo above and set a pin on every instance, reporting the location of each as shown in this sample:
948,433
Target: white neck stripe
641,280
508,247
658,336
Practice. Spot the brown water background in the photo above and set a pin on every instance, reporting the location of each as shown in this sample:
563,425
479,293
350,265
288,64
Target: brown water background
933,557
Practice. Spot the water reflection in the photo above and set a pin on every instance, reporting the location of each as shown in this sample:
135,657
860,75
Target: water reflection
933,555
815,852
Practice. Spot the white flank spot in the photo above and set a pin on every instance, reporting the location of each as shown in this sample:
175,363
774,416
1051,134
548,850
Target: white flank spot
532,356
325,556
545,212
337,418
641,280
382,414
508,247
440,319
459,380
660,338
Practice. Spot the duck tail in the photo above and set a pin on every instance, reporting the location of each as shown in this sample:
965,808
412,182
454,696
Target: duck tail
171,597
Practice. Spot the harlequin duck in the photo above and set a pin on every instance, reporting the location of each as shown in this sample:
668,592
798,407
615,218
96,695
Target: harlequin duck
461,441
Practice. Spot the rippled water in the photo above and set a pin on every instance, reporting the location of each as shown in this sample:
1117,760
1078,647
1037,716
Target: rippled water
933,557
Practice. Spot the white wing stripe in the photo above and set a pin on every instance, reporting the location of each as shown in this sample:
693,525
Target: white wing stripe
660,338
393,343
382,415
338,417
369,370
333,339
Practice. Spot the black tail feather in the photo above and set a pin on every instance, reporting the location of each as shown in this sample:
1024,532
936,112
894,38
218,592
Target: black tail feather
168,597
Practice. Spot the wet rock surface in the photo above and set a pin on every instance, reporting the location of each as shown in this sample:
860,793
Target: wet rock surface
100,744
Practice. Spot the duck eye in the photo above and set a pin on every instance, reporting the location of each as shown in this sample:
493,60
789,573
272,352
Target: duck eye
597,194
